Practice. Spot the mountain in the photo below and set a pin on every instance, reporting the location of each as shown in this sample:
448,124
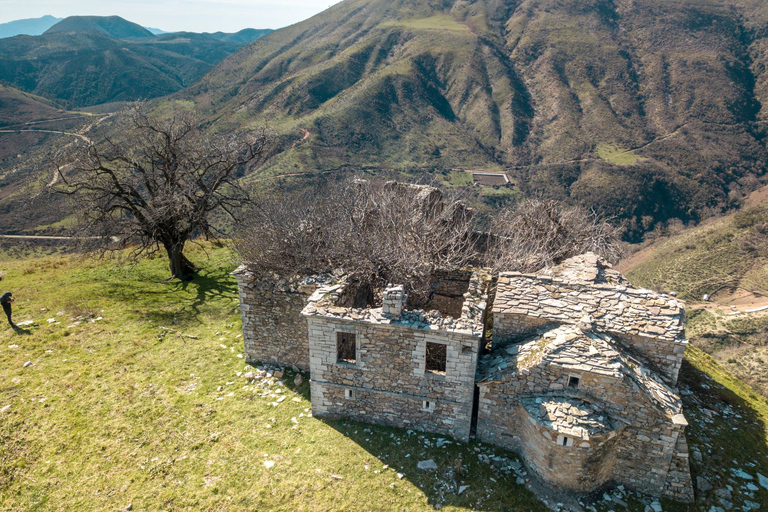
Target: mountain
247,35
114,26
642,110
88,68
30,26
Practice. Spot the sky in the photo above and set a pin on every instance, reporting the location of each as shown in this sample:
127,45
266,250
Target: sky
175,15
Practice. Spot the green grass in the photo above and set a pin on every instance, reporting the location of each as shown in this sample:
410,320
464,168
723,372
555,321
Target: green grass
617,156
114,410
716,257
438,22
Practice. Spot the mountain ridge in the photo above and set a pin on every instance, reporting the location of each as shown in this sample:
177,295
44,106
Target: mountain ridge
114,26
28,26
647,111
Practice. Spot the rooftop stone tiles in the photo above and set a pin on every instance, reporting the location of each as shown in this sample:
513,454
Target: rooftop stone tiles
587,286
579,349
569,416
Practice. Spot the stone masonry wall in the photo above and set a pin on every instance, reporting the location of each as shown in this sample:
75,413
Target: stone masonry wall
273,329
510,327
664,355
583,467
642,458
388,382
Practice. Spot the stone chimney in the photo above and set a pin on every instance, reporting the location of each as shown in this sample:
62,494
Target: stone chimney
393,301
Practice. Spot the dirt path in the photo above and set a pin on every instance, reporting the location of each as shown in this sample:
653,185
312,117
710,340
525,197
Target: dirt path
78,135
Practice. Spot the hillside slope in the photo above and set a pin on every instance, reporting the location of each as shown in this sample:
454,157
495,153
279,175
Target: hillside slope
641,109
725,260
89,68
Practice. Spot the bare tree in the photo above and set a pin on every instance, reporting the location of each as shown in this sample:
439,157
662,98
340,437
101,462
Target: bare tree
159,184
377,232
537,233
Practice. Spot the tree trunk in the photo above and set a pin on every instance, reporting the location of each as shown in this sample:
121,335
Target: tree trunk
181,267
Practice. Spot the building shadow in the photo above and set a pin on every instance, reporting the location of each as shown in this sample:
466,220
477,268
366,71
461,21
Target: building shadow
724,432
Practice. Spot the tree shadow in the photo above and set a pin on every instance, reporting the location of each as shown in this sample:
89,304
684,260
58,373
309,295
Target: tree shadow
210,284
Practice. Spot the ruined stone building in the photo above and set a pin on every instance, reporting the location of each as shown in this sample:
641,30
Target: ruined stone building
579,377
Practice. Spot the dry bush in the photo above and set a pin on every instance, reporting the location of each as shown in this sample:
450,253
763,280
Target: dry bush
377,232
537,233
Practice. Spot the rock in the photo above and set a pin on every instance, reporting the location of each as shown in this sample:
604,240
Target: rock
427,465
25,323
278,374
727,505
619,501
51,320
750,505
519,481
129,507
298,380
763,480
269,463
463,488
702,484
741,474
5,408
723,494
28,363
656,506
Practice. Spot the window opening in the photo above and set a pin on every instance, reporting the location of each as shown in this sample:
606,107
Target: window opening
565,441
437,354
349,394
573,381
428,406
346,348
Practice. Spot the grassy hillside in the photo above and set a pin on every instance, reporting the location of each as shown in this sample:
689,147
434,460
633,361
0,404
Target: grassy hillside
641,109
727,260
17,107
102,405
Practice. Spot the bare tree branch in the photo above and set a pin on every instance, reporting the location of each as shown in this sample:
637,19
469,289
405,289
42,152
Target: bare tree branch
159,184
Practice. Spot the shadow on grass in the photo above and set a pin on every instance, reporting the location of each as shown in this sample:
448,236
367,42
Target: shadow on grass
725,431
461,478
488,485
21,330
177,302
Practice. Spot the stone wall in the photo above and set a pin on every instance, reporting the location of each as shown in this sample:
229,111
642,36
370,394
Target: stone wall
273,329
642,456
664,355
388,382
582,467
511,328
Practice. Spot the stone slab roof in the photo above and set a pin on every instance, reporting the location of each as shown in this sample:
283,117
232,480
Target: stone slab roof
576,348
323,302
569,416
587,286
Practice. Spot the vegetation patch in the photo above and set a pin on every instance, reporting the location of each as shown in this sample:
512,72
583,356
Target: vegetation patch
615,155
